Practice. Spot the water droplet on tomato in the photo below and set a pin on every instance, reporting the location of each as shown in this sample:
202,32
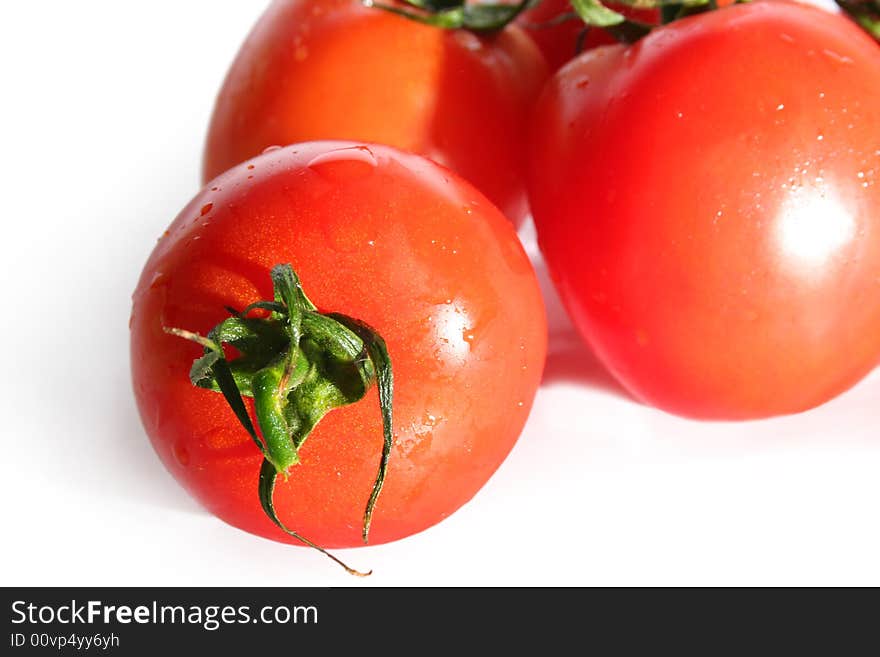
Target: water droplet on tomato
218,438
841,59
159,279
345,164
271,149
181,454
455,334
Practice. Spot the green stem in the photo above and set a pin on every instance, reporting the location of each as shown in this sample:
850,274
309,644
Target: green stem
629,31
457,14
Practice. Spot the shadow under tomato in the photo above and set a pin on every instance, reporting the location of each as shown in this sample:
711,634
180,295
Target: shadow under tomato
576,363
110,455
139,473
569,358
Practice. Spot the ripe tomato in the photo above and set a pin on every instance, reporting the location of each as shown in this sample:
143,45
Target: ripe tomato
708,201
334,69
386,237
558,40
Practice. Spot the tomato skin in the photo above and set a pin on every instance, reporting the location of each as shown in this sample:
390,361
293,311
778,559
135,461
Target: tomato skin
707,201
334,69
558,42
404,245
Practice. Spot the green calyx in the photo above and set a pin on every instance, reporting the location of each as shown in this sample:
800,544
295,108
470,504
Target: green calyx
489,17
297,364
595,14
864,12
456,14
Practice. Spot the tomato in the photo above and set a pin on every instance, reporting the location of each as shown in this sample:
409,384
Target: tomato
558,40
334,69
708,201
391,239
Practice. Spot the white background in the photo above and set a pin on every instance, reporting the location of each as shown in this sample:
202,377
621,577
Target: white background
104,108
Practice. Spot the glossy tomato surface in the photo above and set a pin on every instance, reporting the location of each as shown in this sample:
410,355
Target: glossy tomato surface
558,37
334,69
389,238
708,201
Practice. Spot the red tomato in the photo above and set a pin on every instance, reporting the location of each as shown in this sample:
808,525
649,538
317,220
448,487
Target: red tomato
559,40
708,201
334,69
386,237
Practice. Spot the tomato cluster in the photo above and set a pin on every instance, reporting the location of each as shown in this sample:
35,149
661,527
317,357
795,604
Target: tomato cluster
708,201
705,185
